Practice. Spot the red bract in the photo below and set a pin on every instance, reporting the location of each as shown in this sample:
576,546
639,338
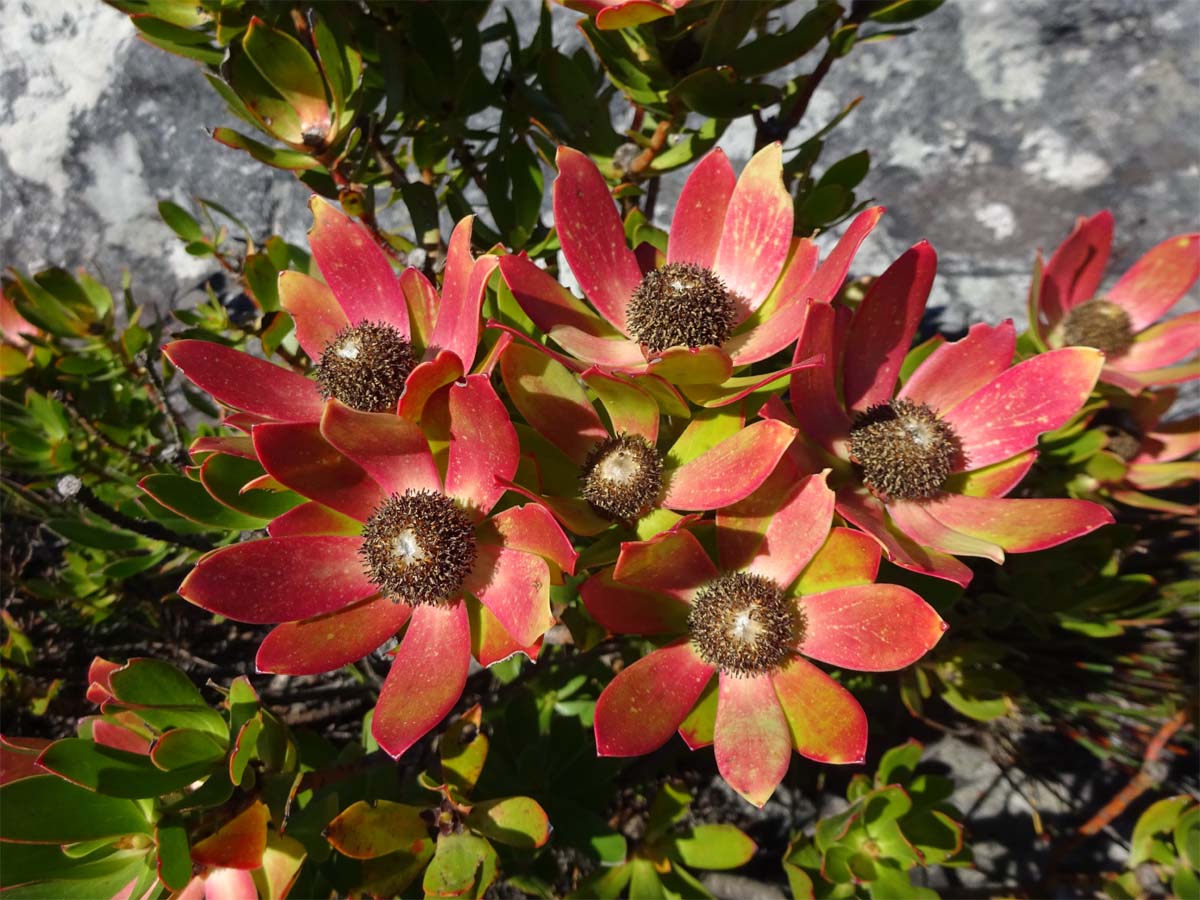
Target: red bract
783,585
388,517
604,475
1067,307
612,14
439,335
731,291
1148,453
925,469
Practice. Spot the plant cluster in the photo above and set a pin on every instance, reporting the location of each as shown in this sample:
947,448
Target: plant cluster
709,488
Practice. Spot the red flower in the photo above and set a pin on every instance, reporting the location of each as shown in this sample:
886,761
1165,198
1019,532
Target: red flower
594,476
1148,454
925,469
784,585
731,291
391,538
378,342
1124,322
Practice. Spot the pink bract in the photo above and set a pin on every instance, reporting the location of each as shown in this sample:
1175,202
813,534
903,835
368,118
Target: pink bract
359,287
780,535
736,227
995,412
309,577
1161,350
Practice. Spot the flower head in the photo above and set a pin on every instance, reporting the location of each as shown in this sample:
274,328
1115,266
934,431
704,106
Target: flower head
783,587
393,538
378,342
925,467
594,475
730,291
1067,307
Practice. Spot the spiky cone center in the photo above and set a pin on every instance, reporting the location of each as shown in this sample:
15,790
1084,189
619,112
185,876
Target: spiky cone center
621,477
905,451
744,624
365,366
1101,324
418,547
680,304
1124,434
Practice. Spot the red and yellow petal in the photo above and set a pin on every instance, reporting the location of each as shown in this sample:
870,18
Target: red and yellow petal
423,301
355,268
757,233
593,237
458,320
869,627
700,211
626,610
883,326
490,641
425,380
751,740
628,13
867,514
825,721
324,643
796,531
814,397
672,563
917,522
298,457
1073,273
630,408
391,449
1161,345
742,526
314,309
532,529
1158,280
515,586
427,676
827,280
1020,525
731,470
484,451
847,557
312,518
644,705
549,398
279,579
1006,415
995,480
246,382
956,370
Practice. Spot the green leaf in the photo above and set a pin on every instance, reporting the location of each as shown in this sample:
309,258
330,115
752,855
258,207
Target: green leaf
179,41
644,882
291,70
93,878
180,221
113,772
799,881
186,747
903,10
721,94
36,810
464,751
774,51
292,160
108,537
516,821
245,748
1159,818
262,278
886,804
151,682
367,831
189,499
848,171
174,854
1187,837
670,806
464,865
1185,883
714,847
224,475
898,764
